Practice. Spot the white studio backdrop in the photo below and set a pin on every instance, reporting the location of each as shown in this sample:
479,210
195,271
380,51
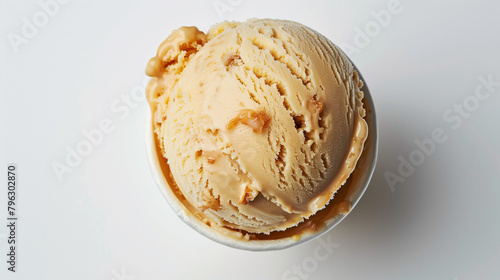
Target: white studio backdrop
72,83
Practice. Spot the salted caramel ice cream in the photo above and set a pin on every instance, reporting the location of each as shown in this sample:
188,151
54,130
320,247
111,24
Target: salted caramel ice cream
260,122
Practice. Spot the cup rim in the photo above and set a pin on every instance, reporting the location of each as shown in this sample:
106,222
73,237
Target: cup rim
262,245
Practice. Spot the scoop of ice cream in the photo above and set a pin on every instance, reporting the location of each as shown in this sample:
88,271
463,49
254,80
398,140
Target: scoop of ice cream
261,122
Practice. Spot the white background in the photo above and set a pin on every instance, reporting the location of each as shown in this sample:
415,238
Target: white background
106,219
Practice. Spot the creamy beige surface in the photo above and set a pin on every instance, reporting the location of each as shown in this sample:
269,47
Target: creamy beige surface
261,122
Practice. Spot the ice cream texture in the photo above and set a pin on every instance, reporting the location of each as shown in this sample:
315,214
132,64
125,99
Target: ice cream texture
261,122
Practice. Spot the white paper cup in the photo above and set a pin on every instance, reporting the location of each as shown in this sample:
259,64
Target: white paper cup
346,197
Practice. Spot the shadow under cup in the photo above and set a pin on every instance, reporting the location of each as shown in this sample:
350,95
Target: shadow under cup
344,200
